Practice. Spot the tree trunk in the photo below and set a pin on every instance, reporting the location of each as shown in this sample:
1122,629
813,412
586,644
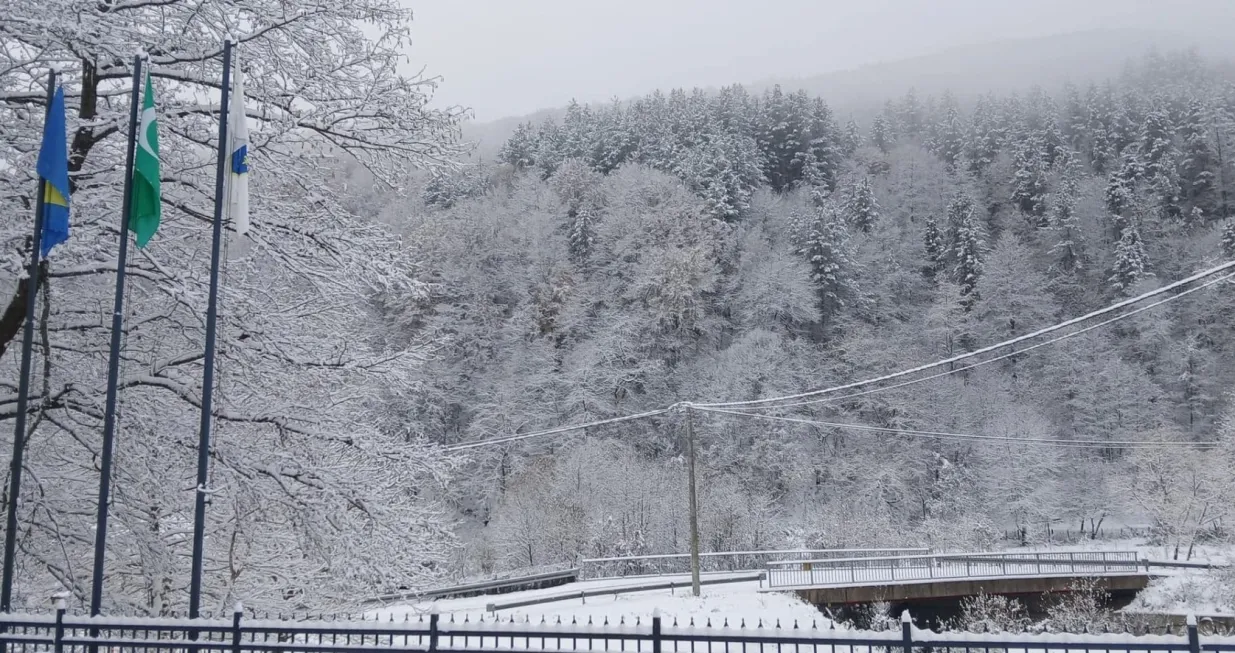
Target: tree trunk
15,313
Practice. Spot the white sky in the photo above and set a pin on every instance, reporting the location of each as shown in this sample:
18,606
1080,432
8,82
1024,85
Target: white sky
512,57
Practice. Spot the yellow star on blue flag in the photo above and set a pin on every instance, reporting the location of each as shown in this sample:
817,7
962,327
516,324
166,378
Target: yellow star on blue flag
53,169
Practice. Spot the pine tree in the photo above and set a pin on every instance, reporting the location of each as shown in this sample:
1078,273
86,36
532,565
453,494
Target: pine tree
852,138
967,247
910,114
1052,138
781,124
1029,182
1121,186
1101,148
1063,219
520,149
935,249
951,143
987,135
548,148
860,207
1228,238
881,134
1129,259
577,133
1076,119
1197,167
615,141
826,247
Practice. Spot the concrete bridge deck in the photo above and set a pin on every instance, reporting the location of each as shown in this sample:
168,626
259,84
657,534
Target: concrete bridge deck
929,577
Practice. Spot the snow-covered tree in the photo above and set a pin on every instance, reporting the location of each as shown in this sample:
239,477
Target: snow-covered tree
320,495
520,149
1197,166
968,246
881,134
1129,259
860,206
1029,183
1228,238
851,139
936,249
1064,221
826,247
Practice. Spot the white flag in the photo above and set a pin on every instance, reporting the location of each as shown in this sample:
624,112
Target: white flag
238,145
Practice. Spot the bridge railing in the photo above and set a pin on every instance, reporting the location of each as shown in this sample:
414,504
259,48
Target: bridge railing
679,563
895,569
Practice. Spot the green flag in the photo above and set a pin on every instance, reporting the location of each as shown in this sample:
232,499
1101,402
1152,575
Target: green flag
144,217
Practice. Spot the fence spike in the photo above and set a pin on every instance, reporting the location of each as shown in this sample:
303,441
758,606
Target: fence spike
573,620
778,624
675,621
814,624
709,622
589,620
542,618
743,622
559,619
467,618
726,622
622,621
760,622
795,624
452,617
637,620
692,621
606,620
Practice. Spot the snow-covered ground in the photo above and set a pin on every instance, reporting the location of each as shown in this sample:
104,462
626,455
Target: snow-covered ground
733,602
1176,591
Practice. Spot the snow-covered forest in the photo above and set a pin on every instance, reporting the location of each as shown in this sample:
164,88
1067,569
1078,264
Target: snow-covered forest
391,302
692,246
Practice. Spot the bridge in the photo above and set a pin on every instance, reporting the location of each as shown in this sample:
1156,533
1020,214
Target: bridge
899,579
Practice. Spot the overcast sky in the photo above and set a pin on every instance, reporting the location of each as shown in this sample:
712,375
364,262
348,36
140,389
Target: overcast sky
512,57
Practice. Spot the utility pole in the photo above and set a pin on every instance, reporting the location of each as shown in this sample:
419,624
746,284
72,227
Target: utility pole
694,500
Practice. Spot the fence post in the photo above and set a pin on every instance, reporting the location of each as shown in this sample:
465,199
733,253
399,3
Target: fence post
433,616
58,641
907,632
1194,638
237,613
656,630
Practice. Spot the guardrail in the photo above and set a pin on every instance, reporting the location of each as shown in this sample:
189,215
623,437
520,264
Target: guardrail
500,586
679,563
867,571
584,595
24,633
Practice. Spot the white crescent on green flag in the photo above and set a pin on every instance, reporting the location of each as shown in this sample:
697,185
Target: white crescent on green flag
146,206
238,171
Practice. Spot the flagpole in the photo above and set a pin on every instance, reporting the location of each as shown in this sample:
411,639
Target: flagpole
212,318
113,363
23,391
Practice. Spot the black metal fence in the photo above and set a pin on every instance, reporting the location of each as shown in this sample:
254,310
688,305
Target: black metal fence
61,632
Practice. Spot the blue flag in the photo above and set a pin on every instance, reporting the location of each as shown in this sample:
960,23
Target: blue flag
53,168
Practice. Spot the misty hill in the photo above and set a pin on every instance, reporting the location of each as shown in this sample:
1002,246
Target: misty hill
1000,67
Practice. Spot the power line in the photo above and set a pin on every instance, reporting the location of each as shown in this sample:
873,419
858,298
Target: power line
985,350
561,429
1018,352
938,435
712,407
